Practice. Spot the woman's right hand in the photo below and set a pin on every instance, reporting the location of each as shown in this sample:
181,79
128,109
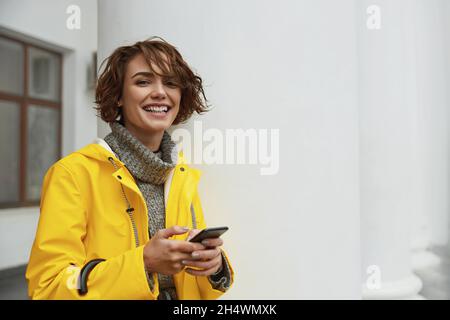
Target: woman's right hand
164,256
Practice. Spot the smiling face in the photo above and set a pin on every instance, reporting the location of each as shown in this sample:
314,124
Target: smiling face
149,102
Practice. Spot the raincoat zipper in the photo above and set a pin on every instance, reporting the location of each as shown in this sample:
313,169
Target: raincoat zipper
129,209
130,214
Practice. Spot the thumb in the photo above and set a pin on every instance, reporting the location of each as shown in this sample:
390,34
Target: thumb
167,233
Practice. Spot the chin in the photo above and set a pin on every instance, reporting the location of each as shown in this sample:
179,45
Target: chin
156,127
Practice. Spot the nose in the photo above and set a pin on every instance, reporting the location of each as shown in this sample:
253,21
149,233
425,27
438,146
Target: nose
158,91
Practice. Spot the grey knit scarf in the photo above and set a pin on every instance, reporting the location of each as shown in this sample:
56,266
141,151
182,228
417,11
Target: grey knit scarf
150,171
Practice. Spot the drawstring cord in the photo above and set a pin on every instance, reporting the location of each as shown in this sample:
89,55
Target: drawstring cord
129,208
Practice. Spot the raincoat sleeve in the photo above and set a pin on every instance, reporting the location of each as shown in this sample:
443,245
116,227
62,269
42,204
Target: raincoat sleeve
209,290
58,252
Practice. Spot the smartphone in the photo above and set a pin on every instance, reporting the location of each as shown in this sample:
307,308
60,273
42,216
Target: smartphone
215,232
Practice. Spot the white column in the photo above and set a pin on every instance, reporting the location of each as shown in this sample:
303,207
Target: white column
432,43
387,147
288,65
422,39
446,12
404,138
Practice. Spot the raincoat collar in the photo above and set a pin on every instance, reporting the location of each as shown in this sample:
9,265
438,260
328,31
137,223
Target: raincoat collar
101,151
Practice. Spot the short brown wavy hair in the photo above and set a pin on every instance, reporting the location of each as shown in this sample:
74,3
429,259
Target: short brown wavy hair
110,82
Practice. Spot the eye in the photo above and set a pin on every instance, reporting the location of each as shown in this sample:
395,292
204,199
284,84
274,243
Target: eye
172,84
142,82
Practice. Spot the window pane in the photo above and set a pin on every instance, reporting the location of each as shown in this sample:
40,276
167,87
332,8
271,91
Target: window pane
44,74
42,152
11,67
9,151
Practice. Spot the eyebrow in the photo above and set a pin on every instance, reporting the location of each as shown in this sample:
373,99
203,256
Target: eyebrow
142,73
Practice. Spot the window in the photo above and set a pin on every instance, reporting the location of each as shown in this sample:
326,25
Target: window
30,119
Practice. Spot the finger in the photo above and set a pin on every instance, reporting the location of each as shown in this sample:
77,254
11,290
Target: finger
184,246
180,257
207,272
175,230
212,242
202,264
205,254
192,234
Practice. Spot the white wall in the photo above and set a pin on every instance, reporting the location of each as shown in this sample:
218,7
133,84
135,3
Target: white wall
45,23
291,66
17,230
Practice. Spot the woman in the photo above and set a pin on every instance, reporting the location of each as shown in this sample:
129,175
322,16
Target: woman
115,214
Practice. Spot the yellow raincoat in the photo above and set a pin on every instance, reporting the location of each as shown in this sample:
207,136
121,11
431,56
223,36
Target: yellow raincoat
83,217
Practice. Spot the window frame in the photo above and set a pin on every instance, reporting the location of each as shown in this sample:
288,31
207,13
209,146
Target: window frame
24,101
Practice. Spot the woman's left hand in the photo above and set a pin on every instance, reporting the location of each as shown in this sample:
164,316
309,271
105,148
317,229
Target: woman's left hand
208,260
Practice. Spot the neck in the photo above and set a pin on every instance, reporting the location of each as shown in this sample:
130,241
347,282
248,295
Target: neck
150,140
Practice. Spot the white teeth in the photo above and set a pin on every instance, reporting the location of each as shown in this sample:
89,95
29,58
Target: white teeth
156,108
